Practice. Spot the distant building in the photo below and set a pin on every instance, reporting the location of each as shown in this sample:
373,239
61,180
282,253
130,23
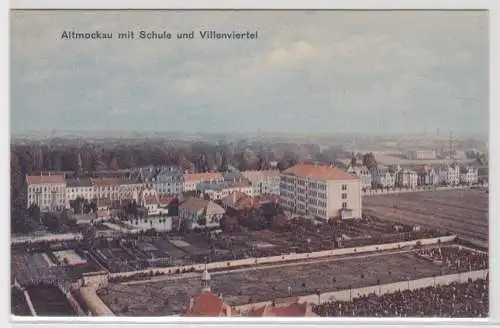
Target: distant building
219,190
383,177
406,178
363,174
157,205
422,154
469,175
169,181
264,182
238,201
106,188
427,176
449,175
192,180
48,192
80,187
200,213
320,190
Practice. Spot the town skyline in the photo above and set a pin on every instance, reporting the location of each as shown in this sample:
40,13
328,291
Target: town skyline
313,78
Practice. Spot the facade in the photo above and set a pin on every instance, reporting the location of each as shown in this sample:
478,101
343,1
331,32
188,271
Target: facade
321,191
219,190
449,175
406,178
79,188
130,189
192,180
428,177
157,205
264,182
169,182
106,188
382,177
422,154
469,175
200,213
48,192
363,174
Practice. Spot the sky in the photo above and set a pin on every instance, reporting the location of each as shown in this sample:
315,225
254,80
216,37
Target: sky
308,72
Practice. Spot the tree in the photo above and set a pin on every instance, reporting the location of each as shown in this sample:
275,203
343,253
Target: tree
369,161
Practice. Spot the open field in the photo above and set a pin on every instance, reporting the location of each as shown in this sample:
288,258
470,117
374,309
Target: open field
464,212
169,297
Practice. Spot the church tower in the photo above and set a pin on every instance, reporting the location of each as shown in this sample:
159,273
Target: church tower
205,280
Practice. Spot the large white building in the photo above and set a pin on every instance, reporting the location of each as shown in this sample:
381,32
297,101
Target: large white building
422,154
449,175
264,182
321,191
363,174
219,190
406,178
47,191
469,175
81,187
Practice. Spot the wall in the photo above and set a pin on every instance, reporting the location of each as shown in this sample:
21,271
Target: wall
290,257
349,294
94,303
50,237
73,302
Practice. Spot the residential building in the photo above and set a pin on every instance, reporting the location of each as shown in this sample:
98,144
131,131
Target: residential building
219,190
157,205
169,181
238,201
406,178
383,177
129,189
48,192
264,182
320,190
363,174
422,154
196,212
106,188
469,175
427,176
79,187
449,175
192,180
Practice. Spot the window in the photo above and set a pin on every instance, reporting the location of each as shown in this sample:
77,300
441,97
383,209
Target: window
344,196
344,187
344,205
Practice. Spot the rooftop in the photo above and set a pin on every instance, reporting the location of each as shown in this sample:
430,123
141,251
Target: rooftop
319,172
206,304
45,179
208,176
194,204
79,182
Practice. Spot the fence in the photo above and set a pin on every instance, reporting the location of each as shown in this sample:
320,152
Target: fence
288,257
349,294
375,192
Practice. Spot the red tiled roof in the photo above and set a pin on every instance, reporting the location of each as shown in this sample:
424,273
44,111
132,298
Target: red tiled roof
45,179
206,304
105,181
194,204
203,176
239,200
319,172
160,200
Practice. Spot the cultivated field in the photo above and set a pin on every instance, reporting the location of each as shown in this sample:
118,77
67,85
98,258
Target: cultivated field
169,297
464,212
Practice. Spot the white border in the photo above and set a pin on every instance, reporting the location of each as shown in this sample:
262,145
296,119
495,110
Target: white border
492,5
